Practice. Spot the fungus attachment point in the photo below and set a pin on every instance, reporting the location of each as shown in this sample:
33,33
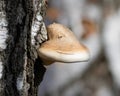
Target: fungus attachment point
62,46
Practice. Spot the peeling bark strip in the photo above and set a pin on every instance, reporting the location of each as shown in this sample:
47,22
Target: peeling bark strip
20,69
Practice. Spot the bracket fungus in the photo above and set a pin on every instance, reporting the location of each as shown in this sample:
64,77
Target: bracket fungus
62,46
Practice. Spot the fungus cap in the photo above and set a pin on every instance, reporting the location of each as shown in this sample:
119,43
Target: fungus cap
62,46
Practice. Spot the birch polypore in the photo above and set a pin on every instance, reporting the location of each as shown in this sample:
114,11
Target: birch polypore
62,46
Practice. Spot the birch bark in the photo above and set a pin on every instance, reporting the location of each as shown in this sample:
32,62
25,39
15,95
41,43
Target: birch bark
21,70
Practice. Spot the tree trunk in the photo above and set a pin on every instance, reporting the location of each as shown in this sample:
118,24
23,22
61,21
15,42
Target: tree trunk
21,71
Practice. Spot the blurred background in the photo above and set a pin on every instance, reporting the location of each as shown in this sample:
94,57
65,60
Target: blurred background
96,24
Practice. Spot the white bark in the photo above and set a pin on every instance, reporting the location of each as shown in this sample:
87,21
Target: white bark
3,32
38,36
